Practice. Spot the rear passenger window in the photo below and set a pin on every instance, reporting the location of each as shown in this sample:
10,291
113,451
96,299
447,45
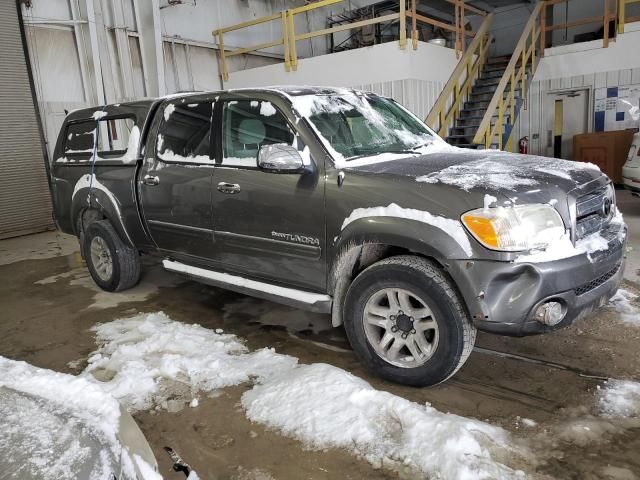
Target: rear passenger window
248,125
115,134
185,132
114,138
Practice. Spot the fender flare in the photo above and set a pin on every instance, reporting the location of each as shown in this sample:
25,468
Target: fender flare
91,194
362,242
420,237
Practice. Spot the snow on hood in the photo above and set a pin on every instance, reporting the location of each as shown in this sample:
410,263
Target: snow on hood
486,169
501,170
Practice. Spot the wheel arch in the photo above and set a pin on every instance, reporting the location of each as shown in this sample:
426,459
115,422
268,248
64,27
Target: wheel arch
91,204
361,244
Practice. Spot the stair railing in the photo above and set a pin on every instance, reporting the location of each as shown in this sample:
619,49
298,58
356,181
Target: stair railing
525,52
288,36
447,108
622,15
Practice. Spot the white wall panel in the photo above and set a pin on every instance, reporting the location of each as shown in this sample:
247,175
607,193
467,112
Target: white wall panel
54,50
536,121
139,87
58,9
204,66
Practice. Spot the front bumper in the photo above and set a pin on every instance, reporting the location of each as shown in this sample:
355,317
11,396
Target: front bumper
503,296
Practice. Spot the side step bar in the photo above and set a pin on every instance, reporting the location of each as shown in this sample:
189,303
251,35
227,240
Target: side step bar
315,302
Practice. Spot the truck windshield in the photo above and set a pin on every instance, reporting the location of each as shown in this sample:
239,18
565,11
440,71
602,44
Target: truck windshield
355,125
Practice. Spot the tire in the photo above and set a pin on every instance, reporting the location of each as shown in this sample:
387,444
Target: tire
103,248
442,332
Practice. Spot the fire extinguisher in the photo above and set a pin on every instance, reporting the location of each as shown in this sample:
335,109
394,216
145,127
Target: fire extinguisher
523,145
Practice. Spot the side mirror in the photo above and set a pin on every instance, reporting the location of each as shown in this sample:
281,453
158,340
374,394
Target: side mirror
280,158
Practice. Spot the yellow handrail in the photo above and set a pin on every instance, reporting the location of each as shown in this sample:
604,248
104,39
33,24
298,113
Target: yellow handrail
622,14
289,37
447,107
525,50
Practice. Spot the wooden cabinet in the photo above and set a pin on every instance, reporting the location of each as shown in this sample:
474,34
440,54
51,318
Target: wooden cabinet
608,150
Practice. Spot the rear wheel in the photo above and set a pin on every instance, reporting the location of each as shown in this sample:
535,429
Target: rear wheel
407,323
113,265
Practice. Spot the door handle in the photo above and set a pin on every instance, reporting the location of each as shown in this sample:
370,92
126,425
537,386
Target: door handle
225,187
150,180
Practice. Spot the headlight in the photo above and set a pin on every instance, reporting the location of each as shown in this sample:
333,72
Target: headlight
513,229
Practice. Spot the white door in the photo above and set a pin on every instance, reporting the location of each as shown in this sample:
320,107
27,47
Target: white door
567,115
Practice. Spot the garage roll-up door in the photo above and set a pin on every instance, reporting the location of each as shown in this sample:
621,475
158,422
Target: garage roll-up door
25,203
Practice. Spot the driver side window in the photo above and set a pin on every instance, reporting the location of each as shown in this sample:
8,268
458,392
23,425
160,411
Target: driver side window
247,126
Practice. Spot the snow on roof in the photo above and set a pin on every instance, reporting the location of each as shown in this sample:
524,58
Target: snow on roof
98,114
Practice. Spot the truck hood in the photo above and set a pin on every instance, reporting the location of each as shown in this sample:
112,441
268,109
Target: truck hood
518,177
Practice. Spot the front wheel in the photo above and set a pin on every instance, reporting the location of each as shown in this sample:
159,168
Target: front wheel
406,322
113,265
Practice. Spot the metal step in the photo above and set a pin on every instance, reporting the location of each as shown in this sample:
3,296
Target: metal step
474,120
482,89
480,97
469,130
470,146
477,104
488,82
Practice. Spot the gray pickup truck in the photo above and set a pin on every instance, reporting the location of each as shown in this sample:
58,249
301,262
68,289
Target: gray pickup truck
342,202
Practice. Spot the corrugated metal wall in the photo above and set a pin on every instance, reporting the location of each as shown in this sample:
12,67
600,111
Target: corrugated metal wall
419,96
25,203
536,119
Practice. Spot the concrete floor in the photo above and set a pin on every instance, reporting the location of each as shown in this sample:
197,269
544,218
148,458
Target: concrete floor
49,304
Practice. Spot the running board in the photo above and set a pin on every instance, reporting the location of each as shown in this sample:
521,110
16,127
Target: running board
315,302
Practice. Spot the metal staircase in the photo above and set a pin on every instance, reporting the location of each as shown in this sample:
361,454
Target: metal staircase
483,112
466,125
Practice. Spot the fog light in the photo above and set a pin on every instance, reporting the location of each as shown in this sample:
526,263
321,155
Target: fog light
550,313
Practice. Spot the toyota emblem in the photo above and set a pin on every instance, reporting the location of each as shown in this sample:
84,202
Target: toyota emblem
606,207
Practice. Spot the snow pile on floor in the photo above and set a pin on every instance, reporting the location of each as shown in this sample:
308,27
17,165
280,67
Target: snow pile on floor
145,359
325,406
43,425
148,355
620,398
621,302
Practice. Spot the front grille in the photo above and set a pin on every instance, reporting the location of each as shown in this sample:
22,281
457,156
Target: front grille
596,282
594,211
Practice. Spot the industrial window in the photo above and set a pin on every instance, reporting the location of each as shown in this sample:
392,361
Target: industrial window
247,126
184,135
